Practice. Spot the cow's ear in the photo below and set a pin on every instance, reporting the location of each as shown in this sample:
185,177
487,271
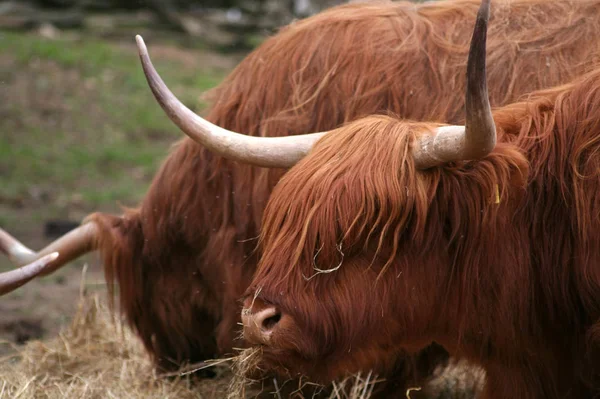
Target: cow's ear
120,243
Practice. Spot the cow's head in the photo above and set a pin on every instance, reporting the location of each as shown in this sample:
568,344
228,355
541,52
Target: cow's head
343,267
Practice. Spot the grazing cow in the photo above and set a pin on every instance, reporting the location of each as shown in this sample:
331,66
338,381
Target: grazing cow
391,234
186,254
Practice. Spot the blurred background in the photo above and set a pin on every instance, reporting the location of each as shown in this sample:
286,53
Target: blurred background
79,128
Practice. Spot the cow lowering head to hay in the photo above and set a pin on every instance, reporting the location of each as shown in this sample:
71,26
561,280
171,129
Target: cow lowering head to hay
186,254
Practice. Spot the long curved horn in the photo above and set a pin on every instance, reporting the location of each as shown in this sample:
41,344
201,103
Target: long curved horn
10,281
70,246
271,152
478,137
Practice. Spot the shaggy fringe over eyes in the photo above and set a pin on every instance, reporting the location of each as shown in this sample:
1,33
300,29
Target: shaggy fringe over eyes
360,190
350,184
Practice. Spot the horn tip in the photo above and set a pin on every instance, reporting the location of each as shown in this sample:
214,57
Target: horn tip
141,45
485,8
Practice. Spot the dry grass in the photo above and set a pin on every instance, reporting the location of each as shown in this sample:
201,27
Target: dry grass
97,357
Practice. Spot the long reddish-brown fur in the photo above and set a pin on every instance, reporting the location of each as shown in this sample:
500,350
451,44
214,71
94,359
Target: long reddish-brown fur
183,257
498,260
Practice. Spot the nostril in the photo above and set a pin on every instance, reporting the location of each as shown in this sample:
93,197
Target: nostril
270,322
260,324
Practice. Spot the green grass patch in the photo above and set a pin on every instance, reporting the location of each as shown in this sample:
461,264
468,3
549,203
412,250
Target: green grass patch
85,122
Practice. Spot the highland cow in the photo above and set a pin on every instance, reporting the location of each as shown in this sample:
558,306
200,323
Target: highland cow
185,256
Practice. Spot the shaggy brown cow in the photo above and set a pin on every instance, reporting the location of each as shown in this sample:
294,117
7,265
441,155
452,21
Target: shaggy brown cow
391,234
184,256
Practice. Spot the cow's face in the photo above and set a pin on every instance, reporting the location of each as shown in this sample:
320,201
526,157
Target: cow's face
339,281
330,327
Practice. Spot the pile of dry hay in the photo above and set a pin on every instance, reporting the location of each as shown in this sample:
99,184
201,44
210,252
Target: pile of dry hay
96,357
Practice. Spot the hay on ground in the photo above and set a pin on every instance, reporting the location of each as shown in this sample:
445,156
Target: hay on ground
97,357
